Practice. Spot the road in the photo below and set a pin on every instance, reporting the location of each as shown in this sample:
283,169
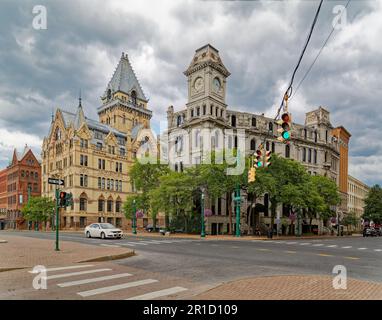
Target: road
200,264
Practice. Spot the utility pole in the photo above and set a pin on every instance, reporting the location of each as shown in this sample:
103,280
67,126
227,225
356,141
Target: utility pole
203,233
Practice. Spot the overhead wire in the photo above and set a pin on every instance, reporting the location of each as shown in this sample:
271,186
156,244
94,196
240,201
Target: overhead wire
318,54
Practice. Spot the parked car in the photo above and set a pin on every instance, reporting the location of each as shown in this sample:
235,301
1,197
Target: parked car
370,232
150,228
103,231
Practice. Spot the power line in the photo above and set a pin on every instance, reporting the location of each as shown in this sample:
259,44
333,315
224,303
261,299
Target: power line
318,54
289,91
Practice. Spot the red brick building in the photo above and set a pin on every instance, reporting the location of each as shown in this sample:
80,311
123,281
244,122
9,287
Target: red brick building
3,198
22,174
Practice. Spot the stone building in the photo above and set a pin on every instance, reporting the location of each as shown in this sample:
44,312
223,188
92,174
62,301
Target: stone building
93,157
313,143
357,192
21,179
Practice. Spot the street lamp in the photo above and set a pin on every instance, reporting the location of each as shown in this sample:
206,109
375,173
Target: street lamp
202,234
134,218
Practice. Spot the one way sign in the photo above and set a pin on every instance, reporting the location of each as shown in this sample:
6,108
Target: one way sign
58,182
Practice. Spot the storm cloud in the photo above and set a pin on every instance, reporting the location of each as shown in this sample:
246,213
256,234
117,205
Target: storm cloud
259,42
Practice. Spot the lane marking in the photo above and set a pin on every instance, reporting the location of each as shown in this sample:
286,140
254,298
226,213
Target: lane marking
318,245
305,243
293,242
64,275
347,247
142,244
290,251
332,246
110,245
157,294
66,268
378,250
362,248
128,244
235,247
76,283
214,245
262,249
324,255
116,287
352,258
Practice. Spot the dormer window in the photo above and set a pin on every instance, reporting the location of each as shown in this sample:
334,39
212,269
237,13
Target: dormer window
134,97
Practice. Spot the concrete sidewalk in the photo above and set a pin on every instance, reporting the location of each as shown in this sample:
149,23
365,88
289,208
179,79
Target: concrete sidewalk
293,287
26,252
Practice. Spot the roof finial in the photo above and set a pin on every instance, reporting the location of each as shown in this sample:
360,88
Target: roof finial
52,115
79,101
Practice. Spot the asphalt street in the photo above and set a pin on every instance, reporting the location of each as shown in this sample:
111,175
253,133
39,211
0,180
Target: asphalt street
212,262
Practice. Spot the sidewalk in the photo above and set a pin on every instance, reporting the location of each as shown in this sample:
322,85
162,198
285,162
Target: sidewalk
23,252
293,287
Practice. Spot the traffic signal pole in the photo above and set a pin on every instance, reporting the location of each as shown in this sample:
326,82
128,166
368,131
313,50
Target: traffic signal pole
237,199
57,219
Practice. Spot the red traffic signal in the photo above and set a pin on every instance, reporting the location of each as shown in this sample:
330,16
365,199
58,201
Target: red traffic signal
62,199
259,162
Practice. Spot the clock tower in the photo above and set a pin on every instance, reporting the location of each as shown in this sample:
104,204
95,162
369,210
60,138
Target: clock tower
207,77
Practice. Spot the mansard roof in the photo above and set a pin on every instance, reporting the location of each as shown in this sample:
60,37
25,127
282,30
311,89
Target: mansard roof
125,80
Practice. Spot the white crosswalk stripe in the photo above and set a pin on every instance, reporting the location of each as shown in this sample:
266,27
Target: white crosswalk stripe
79,282
157,294
65,268
332,246
378,250
110,245
293,242
305,243
140,243
318,245
116,287
362,248
347,247
65,275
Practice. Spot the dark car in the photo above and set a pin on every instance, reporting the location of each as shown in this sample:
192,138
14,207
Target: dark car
150,228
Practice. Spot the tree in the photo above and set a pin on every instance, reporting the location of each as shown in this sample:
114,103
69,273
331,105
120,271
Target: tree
39,209
373,204
351,219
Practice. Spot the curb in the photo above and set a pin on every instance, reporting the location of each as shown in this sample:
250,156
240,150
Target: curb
111,257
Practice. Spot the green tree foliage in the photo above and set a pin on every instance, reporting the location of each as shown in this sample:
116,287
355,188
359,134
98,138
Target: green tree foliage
373,204
39,209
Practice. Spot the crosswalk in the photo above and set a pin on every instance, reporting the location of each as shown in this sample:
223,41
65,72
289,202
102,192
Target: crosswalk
140,243
318,245
84,283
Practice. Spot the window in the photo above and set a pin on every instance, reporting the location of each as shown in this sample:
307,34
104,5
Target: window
101,205
81,180
103,183
310,155
120,167
134,97
326,136
204,110
253,144
103,164
315,156
198,111
120,185
315,136
233,121
211,109
111,149
112,184
287,151
118,206
221,113
100,164
99,183
108,184
70,160
83,202
304,154
178,121
109,205
116,167
305,134
99,146
270,126
176,167
83,160
253,122
216,111
326,156
122,152
235,143
83,143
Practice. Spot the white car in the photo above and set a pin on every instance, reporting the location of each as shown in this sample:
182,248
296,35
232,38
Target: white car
103,231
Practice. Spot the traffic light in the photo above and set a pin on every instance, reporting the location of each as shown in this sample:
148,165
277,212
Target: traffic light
251,174
267,158
62,199
258,160
285,123
68,199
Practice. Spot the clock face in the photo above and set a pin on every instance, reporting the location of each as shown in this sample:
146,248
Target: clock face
217,84
198,84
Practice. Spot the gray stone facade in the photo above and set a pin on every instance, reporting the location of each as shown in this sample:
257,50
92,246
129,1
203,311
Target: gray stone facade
312,143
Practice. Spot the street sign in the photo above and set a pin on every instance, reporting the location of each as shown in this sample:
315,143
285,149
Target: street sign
58,182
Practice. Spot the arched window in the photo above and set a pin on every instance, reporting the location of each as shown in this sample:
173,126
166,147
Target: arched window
315,156
83,202
253,144
287,151
303,154
233,121
110,205
198,111
253,122
315,136
118,205
134,97
101,205
179,120
57,134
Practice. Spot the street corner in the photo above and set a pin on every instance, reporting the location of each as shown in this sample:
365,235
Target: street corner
293,287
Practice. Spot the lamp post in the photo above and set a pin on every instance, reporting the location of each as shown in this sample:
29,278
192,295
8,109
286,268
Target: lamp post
237,200
134,218
202,234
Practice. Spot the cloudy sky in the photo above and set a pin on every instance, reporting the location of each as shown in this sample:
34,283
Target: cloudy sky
259,42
